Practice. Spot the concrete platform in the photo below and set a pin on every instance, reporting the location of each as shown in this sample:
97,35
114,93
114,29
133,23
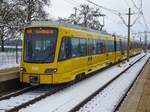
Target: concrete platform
138,99
9,79
9,74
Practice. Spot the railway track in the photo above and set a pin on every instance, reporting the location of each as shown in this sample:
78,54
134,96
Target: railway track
31,95
84,105
25,97
16,93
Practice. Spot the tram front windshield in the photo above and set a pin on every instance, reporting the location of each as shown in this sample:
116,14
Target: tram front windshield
39,45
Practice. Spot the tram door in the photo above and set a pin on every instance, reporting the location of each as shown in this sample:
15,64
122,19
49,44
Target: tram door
115,48
90,51
121,47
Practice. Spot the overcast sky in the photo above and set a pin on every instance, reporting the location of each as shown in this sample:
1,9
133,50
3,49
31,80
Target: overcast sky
63,8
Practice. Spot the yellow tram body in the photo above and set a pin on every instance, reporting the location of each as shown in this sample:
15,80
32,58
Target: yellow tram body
66,70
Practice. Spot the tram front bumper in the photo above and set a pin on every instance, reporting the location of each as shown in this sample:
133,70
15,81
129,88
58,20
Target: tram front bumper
34,79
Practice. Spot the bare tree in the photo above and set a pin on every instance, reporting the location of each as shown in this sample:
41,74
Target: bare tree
33,9
6,21
87,16
15,14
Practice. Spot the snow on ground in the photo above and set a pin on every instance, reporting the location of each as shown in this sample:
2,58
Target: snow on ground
66,99
107,100
15,101
8,59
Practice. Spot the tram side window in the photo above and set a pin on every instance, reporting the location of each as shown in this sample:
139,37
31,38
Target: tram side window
99,46
83,47
124,45
75,44
110,46
94,47
121,46
64,51
118,47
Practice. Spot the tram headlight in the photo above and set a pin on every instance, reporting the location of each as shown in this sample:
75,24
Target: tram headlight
51,70
22,69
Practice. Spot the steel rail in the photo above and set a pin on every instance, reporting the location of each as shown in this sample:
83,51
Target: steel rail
32,101
16,93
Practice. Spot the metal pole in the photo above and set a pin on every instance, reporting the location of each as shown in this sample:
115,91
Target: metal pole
145,41
75,22
17,53
140,36
128,46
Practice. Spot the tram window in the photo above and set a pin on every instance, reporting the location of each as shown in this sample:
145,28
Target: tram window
94,47
99,46
121,48
126,44
90,46
64,51
75,43
38,45
110,46
123,45
83,47
118,46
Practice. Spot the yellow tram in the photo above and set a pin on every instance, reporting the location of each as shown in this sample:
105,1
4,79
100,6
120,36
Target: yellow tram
55,53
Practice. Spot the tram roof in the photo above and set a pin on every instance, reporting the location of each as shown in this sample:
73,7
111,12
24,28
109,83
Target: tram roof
64,24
